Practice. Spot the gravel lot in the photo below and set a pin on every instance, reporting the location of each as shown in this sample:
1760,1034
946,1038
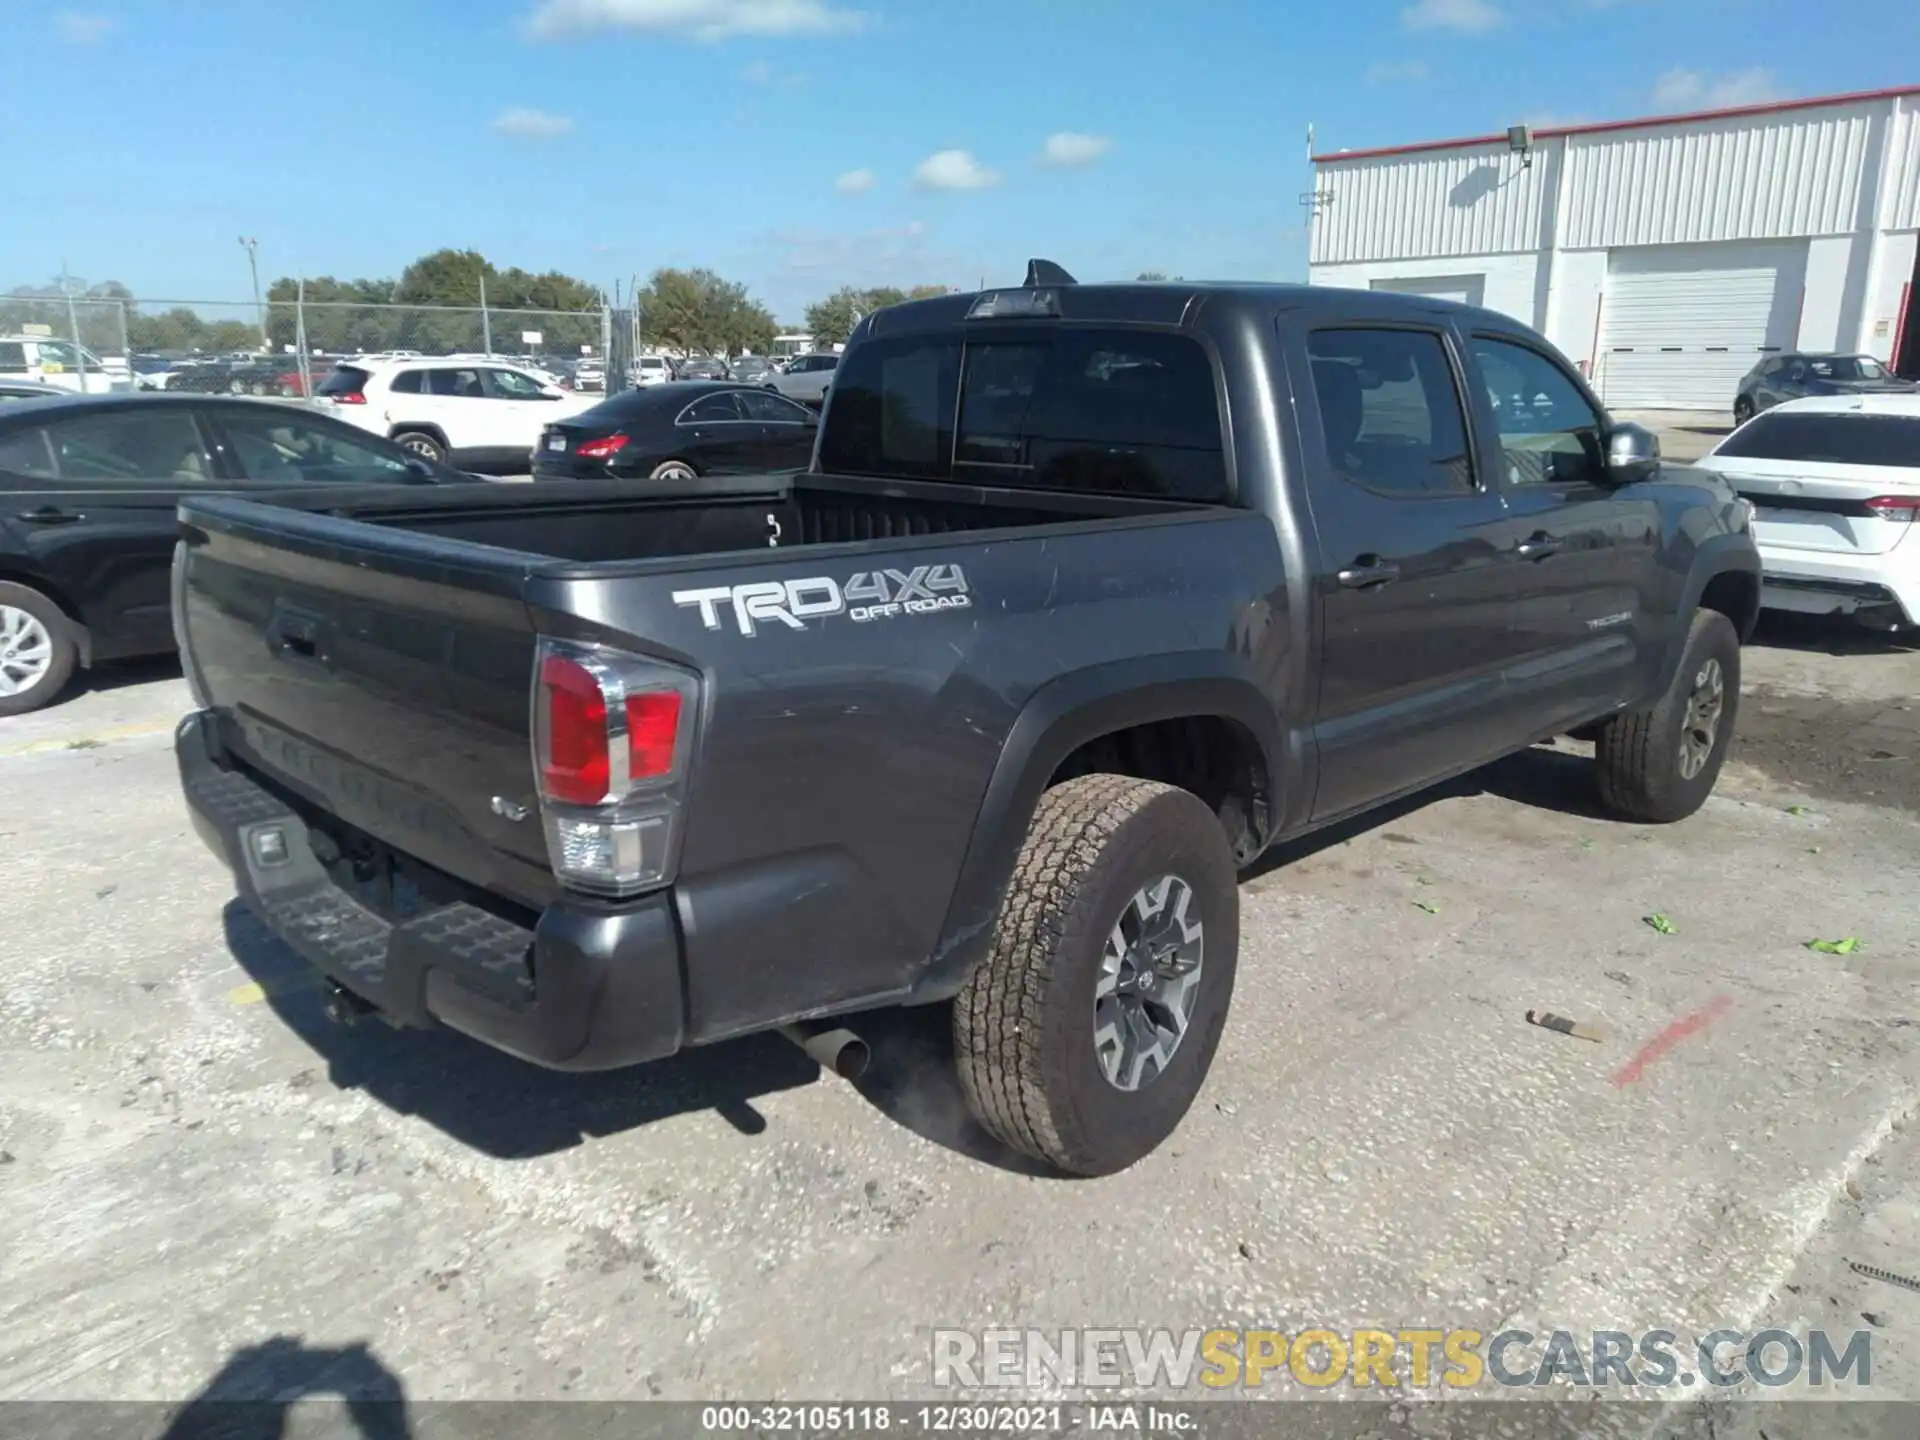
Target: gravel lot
193,1162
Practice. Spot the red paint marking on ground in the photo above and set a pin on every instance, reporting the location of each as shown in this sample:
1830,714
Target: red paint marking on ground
1690,1024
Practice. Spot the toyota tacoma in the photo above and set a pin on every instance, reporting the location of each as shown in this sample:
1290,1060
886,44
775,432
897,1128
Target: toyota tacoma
1090,595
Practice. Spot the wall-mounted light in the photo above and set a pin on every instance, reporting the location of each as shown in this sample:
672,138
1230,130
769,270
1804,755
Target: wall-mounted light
1520,142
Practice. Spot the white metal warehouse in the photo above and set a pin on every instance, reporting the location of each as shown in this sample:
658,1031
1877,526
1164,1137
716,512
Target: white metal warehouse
1666,256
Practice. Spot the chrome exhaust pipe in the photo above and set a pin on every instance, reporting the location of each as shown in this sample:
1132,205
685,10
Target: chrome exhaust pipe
838,1050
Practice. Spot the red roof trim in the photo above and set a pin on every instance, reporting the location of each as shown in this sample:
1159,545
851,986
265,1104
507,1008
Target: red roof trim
1771,107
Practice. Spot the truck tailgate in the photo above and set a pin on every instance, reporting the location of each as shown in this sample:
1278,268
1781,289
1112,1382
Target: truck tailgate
359,669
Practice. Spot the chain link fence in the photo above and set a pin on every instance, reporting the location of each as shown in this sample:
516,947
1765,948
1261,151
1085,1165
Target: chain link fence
286,347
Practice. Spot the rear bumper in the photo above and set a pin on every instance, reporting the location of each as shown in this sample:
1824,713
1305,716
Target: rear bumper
583,989
1881,589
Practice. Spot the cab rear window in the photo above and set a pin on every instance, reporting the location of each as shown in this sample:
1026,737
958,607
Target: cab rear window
1086,408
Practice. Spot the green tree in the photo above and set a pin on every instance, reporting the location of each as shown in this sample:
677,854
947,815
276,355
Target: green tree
697,310
831,321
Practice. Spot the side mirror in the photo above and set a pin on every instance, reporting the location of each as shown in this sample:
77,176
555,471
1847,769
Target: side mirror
1633,453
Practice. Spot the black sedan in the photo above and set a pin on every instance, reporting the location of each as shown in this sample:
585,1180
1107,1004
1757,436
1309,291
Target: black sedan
676,431
1794,377
88,486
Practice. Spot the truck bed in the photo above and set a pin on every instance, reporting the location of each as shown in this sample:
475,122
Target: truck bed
864,647
584,524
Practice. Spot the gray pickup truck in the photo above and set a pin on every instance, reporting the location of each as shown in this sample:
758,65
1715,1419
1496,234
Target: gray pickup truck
1092,593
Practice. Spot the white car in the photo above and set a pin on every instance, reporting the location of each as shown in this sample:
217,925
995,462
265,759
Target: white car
1835,485
650,370
61,364
473,414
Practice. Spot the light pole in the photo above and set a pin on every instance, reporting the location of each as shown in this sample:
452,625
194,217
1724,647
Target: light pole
251,246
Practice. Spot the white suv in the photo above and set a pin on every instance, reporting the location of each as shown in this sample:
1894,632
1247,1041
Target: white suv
475,414
649,370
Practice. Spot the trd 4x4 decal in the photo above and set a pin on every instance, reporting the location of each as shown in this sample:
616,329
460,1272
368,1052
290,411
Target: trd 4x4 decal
867,595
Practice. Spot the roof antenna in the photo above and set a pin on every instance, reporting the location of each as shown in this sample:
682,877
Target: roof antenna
1045,272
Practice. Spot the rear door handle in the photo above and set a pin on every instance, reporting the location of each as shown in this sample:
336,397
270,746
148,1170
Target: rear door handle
1368,571
49,515
1539,546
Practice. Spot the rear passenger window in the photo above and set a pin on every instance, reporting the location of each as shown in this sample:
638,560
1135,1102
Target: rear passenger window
458,384
713,410
1391,411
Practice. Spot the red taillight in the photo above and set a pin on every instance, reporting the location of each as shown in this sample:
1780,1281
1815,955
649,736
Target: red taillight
351,398
611,744
1904,508
605,448
653,728
578,762
575,763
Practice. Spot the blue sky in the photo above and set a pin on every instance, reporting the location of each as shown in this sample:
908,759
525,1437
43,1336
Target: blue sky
798,145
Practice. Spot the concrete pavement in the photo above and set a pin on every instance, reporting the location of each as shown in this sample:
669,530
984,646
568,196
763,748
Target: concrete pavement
193,1162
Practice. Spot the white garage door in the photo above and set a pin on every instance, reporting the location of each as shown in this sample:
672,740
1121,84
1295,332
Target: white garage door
1680,324
1467,289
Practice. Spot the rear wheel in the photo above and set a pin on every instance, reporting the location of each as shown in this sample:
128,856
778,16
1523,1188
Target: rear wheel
1085,1035
1742,409
37,652
674,470
422,444
1660,764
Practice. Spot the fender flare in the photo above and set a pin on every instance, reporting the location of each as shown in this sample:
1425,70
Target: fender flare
1058,719
1726,554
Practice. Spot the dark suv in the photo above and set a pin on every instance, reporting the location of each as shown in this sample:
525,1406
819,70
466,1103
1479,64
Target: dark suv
1794,377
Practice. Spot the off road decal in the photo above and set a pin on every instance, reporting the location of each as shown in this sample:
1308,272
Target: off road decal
865,596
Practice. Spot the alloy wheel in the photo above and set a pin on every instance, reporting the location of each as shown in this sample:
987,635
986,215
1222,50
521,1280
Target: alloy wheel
1148,983
26,651
1706,702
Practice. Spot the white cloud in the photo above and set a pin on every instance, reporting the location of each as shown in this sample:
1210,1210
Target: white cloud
695,19
78,29
1683,89
953,170
1471,16
853,182
531,124
1396,72
1066,148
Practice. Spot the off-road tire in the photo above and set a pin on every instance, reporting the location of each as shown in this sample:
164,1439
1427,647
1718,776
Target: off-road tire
1023,1023
65,652
1638,752
419,442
